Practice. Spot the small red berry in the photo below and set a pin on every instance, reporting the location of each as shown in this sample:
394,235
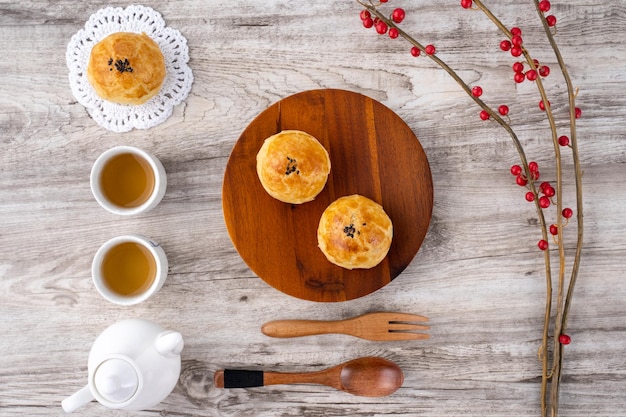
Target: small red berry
365,14
521,181
554,230
544,202
533,166
466,4
544,71
567,213
383,1
398,15
535,175
542,244
531,75
530,196
484,115
515,31
518,67
578,112
565,339
516,51
516,170
516,40
477,91
549,191
542,106
503,110
393,33
381,27
415,51
543,186
368,22
563,140
430,49
519,77
544,6
505,45
551,20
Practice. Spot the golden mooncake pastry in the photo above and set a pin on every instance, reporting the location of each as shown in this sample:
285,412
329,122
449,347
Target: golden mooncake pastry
293,166
355,232
126,68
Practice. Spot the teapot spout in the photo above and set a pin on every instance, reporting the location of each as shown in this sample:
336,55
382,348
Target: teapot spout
77,400
169,343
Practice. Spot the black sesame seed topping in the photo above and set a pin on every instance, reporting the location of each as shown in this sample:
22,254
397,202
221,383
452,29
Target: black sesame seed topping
349,231
292,166
121,66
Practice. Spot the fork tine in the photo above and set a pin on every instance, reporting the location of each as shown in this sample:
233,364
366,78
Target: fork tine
392,317
406,326
406,336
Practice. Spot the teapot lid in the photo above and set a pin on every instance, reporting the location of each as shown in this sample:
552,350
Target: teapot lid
116,380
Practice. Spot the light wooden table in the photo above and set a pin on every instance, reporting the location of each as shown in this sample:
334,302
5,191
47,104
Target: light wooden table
478,275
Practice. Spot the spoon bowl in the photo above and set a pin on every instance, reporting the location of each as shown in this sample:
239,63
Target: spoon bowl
371,377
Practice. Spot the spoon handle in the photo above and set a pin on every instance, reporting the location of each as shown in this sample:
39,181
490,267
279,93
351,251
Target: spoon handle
230,378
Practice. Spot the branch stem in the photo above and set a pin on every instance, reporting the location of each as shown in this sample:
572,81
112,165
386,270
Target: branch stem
552,373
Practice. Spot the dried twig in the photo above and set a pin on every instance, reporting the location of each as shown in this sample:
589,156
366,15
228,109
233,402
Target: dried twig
551,374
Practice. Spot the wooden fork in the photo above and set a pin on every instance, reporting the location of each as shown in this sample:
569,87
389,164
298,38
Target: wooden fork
371,326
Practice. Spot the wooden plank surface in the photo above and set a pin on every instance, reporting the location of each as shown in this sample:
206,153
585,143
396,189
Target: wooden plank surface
478,274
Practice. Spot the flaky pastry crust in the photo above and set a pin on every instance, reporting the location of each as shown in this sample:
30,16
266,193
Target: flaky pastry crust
126,68
293,166
355,232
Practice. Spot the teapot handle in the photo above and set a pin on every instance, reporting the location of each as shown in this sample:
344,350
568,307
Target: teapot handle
77,400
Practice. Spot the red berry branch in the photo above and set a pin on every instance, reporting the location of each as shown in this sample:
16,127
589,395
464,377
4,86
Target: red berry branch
544,195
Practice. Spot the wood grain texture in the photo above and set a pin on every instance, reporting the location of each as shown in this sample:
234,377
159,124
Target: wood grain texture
376,326
364,377
477,276
373,153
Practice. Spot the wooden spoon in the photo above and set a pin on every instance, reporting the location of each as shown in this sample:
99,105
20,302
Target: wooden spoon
366,377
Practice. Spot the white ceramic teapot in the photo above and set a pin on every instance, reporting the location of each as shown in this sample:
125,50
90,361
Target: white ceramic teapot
133,365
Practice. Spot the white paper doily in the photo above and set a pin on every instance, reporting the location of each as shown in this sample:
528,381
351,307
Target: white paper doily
137,19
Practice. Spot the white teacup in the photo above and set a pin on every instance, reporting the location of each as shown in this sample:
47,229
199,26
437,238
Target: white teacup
129,269
126,180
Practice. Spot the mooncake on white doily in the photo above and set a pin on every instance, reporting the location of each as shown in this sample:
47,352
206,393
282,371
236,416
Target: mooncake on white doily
137,19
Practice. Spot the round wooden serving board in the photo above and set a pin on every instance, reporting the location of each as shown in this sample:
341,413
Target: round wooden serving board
373,153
